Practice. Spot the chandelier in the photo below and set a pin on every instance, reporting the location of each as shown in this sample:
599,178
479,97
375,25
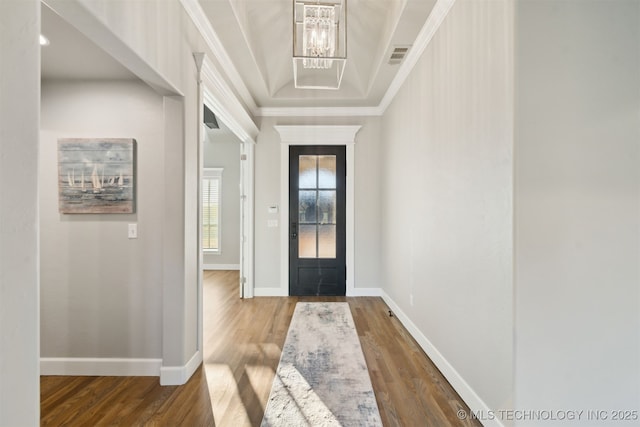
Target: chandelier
319,43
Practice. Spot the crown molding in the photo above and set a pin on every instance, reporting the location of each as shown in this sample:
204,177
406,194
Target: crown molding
429,29
202,23
220,98
317,111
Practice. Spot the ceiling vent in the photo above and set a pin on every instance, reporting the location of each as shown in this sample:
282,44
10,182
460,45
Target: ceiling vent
398,54
210,119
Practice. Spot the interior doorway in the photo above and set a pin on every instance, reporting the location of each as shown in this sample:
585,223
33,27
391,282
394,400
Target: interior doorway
229,111
220,194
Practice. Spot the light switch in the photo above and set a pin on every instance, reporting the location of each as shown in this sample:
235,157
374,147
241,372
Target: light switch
133,231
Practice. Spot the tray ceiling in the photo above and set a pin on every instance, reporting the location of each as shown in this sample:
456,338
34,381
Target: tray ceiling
257,36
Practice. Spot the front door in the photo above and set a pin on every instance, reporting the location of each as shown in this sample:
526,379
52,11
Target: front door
317,220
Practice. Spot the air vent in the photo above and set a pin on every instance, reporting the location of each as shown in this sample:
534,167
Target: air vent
210,119
398,54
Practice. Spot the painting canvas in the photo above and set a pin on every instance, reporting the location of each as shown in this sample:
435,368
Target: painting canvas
96,176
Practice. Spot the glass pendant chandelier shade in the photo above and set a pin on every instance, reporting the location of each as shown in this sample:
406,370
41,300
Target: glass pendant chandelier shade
319,43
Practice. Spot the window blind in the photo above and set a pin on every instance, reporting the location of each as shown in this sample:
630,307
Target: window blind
211,188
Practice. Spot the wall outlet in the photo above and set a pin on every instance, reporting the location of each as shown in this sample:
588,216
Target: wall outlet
133,231
272,223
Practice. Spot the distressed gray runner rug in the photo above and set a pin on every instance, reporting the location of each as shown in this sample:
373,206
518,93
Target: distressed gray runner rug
322,378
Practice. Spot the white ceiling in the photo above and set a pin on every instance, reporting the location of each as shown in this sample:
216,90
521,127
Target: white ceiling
257,36
71,56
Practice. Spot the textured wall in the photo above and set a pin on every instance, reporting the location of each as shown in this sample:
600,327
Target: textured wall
101,293
19,120
577,207
447,211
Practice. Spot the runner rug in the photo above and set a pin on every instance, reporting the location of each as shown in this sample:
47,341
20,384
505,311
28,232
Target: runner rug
322,377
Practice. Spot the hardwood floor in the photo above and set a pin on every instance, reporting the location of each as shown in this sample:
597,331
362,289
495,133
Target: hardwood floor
242,346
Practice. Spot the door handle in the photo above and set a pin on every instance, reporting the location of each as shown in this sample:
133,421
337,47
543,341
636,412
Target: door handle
294,230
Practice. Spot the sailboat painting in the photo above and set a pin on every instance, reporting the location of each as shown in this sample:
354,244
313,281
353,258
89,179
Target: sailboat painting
96,176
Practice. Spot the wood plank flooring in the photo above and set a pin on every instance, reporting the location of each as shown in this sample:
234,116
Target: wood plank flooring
243,340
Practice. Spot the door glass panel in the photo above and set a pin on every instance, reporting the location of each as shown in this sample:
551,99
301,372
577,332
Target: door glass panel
317,208
307,207
326,241
327,207
307,241
308,172
327,171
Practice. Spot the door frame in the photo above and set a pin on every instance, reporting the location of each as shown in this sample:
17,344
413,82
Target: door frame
211,91
317,135
322,265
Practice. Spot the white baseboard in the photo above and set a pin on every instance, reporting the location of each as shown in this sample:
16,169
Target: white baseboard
178,375
270,292
90,366
364,292
475,403
221,266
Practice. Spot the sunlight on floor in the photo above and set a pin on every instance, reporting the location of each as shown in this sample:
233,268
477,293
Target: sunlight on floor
225,398
257,375
228,405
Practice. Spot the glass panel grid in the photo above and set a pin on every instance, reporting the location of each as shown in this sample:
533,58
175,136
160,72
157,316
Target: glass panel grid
317,208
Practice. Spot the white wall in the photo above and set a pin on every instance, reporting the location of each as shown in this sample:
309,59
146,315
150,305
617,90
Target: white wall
367,200
577,207
102,292
447,201
222,150
156,40
19,281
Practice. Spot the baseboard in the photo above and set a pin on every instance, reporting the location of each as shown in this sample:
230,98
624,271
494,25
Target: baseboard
120,367
364,292
89,366
270,292
475,403
221,266
178,375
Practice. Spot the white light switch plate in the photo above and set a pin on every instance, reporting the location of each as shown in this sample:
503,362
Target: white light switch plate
133,231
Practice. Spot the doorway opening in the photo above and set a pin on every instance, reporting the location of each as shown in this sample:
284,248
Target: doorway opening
220,195
227,114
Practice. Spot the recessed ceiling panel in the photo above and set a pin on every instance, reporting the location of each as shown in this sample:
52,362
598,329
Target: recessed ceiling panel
258,36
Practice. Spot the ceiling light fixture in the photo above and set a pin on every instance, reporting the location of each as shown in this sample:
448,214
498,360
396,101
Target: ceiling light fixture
44,41
319,43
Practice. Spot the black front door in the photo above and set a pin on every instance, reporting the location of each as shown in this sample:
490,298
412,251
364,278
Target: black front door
317,220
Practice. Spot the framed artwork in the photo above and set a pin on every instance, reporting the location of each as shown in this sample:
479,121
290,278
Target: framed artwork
96,176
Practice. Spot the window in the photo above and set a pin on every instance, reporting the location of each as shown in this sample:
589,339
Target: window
211,209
